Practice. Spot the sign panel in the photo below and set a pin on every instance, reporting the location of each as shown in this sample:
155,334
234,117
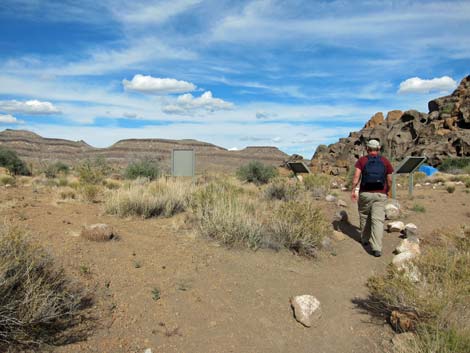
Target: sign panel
183,162
298,167
409,165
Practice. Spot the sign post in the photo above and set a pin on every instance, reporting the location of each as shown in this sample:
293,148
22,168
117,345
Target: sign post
408,166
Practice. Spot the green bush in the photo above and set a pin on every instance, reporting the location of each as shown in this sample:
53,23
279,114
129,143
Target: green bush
145,168
38,304
256,172
10,160
318,184
93,171
455,164
450,189
55,169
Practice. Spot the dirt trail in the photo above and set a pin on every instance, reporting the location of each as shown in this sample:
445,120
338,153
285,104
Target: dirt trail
212,299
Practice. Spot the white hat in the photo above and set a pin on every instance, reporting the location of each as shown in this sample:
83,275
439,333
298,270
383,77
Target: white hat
373,144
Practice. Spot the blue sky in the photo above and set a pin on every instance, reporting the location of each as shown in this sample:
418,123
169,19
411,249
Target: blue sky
291,74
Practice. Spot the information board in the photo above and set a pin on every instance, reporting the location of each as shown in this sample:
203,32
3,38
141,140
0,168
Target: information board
183,162
298,167
409,165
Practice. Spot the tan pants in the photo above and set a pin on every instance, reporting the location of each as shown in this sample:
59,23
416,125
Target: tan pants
371,216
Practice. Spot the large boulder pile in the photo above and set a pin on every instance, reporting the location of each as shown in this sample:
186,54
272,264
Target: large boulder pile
443,132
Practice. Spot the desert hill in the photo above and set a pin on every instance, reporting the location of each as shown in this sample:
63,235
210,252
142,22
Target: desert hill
35,148
441,133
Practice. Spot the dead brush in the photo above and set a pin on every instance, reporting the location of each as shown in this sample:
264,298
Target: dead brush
439,304
38,304
98,232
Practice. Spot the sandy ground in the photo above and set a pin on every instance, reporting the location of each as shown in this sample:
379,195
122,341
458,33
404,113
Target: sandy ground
214,299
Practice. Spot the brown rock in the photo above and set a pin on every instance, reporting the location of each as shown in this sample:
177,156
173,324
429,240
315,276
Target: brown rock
98,232
392,116
377,119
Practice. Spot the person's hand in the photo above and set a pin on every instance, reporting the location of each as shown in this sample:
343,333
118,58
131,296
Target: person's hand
353,196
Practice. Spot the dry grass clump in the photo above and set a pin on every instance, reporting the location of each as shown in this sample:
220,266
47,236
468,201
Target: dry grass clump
67,193
98,232
439,303
283,189
159,198
300,226
111,184
419,177
318,184
88,192
230,215
37,302
7,180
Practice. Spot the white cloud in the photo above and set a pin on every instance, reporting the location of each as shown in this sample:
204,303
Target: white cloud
8,119
28,107
186,103
418,85
265,115
155,85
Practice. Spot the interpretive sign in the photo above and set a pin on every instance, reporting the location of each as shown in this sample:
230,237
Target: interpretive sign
298,167
408,166
183,162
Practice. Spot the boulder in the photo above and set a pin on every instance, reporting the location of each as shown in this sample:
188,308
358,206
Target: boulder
410,244
396,226
376,120
401,259
98,232
411,230
392,211
306,309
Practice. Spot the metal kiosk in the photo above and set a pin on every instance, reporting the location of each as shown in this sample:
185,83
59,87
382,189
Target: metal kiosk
183,162
408,166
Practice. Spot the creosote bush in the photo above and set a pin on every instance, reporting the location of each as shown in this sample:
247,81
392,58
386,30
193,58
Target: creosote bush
38,304
145,168
10,160
439,301
141,198
256,172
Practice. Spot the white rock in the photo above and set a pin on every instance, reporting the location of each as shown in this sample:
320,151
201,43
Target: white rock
411,272
330,198
341,203
392,210
306,309
334,185
344,188
408,245
459,183
411,230
396,226
418,185
427,183
148,350
401,259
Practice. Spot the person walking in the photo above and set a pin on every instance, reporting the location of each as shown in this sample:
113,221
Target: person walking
375,174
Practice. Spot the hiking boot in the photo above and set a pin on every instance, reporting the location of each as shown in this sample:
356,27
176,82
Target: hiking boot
376,253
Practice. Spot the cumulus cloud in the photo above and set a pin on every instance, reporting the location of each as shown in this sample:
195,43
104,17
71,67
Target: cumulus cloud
418,85
155,85
187,103
28,107
8,119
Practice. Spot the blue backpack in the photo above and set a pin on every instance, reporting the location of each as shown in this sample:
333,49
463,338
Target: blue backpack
373,174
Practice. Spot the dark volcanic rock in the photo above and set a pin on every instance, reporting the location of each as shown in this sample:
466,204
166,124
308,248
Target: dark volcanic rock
443,132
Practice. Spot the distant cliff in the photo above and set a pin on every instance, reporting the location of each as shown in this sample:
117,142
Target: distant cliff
443,132
209,157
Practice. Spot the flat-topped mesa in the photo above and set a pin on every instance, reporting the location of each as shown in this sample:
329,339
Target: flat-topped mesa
209,157
443,132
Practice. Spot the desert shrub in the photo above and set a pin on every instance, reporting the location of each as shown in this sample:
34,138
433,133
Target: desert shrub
10,160
160,198
38,304
145,168
7,180
467,183
418,208
454,164
282,189
256,172
67,193
55,169
111,184
63,181
93,171
226,215
299,226
450,189
98,232
439,302
318,184
88,192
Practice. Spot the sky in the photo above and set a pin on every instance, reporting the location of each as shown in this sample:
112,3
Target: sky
292,74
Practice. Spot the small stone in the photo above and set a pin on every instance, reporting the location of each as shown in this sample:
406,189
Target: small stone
330,198
306,309
341,203
411,230
396,226
344,188
427,183
408,244
418,185
334,185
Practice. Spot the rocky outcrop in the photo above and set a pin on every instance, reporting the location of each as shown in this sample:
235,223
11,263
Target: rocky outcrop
443,132
36,149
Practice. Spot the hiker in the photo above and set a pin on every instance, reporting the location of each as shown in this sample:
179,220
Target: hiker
375,173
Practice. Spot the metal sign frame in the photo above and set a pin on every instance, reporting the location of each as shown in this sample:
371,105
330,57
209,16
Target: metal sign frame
174,160
298,167
408,166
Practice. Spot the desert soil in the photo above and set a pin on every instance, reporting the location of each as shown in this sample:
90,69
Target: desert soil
214,299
